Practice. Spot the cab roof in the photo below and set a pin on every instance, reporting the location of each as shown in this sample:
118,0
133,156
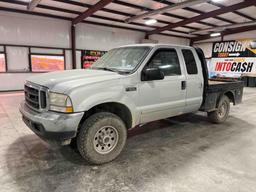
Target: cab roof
155,45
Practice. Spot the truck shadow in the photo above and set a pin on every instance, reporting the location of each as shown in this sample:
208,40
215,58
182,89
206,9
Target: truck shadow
157,148
166,123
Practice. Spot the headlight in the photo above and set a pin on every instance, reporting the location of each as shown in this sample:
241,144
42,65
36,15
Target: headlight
60,102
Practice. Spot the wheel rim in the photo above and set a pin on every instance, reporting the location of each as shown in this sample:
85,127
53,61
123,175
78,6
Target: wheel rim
222,110
105,139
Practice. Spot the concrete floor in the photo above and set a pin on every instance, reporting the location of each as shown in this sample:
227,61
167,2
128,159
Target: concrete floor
185,153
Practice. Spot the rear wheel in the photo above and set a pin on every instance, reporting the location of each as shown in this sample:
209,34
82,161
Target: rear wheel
221,114
101,138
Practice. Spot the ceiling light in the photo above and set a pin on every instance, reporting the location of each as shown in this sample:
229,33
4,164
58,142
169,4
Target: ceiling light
150,21
215,34
216,1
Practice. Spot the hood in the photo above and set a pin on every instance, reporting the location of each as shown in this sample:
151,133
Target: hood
62,81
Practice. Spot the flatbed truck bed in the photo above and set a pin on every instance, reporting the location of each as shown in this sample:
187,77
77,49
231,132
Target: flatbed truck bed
214,89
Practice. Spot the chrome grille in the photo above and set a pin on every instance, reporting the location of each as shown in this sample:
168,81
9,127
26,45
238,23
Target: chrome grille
32,97
35,96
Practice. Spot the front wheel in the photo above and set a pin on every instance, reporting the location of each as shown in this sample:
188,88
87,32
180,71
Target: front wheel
101,138
221,114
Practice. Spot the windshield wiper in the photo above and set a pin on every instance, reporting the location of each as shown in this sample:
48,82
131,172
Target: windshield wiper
111,69
105,69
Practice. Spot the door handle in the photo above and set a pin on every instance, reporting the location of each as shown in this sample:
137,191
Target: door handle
183,85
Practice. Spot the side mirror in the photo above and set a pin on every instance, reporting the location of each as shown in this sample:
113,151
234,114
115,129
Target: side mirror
150,74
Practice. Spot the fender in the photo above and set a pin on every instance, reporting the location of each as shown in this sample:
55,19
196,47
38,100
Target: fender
84,100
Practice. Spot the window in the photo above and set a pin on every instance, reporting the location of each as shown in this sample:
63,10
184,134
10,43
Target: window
189,61
46,63
17,58
167,61
2,63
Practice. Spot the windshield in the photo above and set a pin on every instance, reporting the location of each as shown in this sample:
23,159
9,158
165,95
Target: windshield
123,59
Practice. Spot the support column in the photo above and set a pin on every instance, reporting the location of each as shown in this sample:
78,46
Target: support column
73,46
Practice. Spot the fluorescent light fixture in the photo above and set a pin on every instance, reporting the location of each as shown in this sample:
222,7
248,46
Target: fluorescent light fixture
150,21
215,34
216,1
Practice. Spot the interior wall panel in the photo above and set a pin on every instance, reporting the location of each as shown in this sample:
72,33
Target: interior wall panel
13,81
207,49
169,40
104,38
46,51
31,30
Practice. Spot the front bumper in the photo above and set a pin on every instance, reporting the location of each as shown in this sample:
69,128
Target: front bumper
51,126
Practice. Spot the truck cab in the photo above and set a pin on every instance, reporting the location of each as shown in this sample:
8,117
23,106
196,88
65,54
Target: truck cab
128,86
180,88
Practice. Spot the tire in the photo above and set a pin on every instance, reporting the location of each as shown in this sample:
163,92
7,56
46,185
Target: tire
101,138
222,112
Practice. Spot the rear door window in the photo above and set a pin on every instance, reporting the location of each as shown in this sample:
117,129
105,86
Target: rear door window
190,61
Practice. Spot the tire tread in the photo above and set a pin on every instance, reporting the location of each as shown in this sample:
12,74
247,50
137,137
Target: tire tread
84,134
213,116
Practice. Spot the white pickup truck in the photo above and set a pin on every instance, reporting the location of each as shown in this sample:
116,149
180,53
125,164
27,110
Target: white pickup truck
128,86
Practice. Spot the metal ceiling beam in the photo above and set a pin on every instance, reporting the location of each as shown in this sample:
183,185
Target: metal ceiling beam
165,14
80,4
225,27
214,13
195,11
227,32
119,12
91,11
32,5
175,6
118,2
34,13
101,17
236,12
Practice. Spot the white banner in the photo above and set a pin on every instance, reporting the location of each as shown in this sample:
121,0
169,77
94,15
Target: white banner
232,66
233,58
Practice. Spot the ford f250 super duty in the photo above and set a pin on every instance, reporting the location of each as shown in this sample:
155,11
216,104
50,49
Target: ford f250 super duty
128,86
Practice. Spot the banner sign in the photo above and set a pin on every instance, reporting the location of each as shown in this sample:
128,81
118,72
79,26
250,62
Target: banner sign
232,58
90,56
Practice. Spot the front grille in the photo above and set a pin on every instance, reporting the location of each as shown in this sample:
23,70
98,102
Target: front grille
34,97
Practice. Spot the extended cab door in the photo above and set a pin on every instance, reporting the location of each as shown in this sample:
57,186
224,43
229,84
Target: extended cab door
194,81
164,98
